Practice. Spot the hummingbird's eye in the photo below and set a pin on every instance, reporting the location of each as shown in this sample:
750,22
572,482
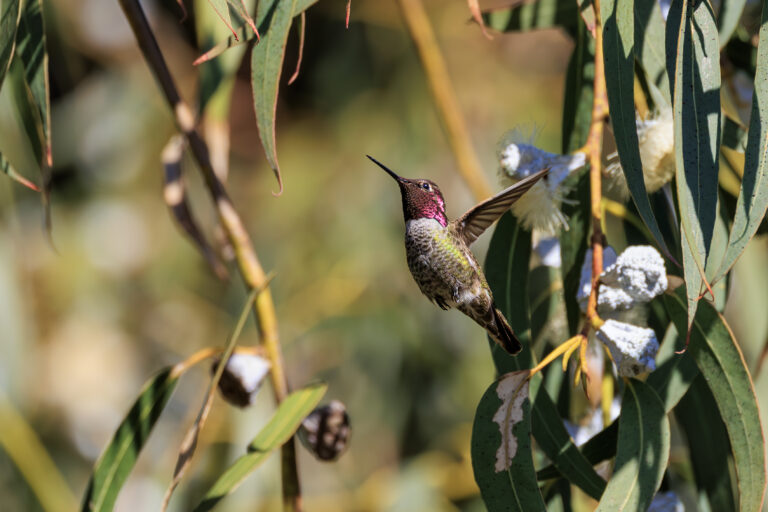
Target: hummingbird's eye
425,186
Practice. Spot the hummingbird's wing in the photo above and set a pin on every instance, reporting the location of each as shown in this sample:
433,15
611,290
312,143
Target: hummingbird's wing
472,224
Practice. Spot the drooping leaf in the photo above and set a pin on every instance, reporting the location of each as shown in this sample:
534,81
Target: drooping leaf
573,247
649,47
277,431
11,172
274,20
501,447
243,35
618,45
553,439
753,197
708,445
642,453
221,8
720,361
119,457
9,21
697,139
506,269
728,19
32,53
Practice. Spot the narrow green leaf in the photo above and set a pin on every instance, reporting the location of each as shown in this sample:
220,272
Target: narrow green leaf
578,92
30,49
11,172
275,433
506,269
26,110
573,247
697,139
719,359
501,447
728,19
643,451
221,9
241,36
553,439
119,457
216,77
533,16
708,445
9,21
618,45
753,196
274,21
649,46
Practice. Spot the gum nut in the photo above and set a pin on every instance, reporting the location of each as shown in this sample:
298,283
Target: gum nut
242,378
633,348
325,432
639,271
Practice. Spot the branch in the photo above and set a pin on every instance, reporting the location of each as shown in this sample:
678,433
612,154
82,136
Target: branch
445,98
247,262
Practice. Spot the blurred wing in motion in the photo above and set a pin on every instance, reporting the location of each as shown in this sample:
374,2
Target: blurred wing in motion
473,223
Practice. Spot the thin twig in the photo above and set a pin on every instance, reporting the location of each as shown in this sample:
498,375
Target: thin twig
594,148
445,98
248,264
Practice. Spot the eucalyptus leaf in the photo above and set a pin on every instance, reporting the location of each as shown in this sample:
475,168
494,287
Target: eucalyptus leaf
642,453
618,45
708,445
274,20
697,140
753,197
506,269
279,430
9,21
119,457
501,447
720,361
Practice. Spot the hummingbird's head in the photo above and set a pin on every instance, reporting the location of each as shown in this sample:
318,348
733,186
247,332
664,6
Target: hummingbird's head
422,199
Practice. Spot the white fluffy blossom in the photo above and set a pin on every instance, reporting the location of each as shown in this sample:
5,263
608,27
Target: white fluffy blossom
627,283
656,138
540,207
633,348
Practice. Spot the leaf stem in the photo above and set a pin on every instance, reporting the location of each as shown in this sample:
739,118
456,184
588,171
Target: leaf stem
445,97
247,262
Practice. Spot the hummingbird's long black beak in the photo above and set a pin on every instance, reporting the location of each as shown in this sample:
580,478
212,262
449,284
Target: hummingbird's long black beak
387,169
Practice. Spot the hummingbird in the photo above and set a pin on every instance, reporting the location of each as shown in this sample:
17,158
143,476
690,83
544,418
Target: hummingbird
438,251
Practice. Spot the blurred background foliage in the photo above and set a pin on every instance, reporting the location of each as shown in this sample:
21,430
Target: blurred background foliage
123,293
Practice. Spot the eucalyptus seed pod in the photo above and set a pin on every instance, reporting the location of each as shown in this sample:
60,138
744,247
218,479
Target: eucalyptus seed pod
325,432
242,378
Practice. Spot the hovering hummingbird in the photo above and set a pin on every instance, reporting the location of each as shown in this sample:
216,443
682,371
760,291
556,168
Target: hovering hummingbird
439,256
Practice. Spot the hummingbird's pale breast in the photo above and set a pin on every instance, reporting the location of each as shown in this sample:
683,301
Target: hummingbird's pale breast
443,266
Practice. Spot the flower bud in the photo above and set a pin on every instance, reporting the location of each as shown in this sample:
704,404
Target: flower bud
639,271
633,348
325,432
242,378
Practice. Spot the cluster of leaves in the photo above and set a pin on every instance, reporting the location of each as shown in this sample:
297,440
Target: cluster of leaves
664,64
24,62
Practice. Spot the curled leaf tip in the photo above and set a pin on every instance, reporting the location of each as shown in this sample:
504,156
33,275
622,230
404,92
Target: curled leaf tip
279,184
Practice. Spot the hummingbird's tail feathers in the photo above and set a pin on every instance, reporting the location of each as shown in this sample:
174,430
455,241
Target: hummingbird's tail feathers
500,331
